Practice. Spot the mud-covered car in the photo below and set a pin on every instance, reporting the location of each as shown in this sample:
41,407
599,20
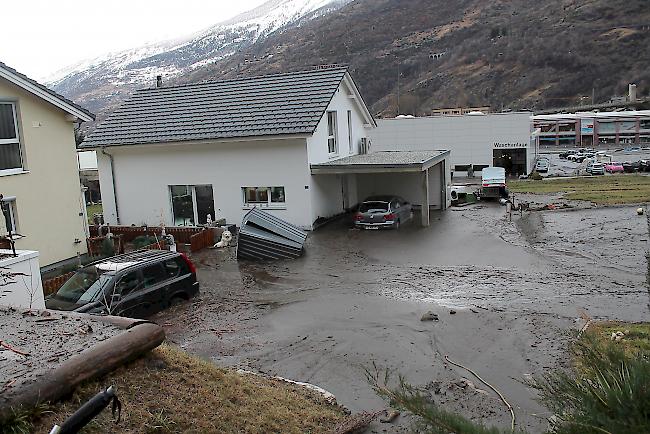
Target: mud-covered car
135,285
378,212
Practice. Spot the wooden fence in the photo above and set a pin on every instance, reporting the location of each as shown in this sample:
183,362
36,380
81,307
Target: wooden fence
50,286
196,237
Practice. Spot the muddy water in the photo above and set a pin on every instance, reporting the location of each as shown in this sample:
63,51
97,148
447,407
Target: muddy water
516,289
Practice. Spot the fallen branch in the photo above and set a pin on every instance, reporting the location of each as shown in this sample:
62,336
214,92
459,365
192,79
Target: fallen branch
10,348
512,411
356,423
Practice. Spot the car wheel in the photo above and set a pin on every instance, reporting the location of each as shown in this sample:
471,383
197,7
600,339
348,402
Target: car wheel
177,301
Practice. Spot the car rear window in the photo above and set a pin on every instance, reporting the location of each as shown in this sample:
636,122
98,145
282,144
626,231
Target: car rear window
373,206
154,274
175,267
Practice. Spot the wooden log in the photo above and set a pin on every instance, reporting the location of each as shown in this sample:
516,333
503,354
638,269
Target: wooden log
94,362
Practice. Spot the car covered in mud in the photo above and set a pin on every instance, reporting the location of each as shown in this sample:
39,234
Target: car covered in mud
595,168
378,212
135,285
631,166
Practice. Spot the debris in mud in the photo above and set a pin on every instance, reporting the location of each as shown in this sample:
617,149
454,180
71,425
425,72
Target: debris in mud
452,312
429,316
389,416
617,336
263,237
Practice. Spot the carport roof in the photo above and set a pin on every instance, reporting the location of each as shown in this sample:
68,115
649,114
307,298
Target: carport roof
382,162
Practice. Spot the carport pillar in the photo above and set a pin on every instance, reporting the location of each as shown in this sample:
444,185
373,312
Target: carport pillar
425,198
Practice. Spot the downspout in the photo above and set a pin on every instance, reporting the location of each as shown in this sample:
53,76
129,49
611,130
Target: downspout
117,209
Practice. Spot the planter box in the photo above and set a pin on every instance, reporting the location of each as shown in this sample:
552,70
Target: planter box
24,289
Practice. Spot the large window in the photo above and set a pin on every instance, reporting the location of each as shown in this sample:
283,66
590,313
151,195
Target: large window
9,140
332,139
191,204
264,196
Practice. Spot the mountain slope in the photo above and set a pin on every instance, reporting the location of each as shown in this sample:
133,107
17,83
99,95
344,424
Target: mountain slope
511,54
102,83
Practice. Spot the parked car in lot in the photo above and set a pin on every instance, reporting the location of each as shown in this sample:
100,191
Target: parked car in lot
631,166
595,168
542,165
565,154
614,167
382,212
644,165
577,157
136,285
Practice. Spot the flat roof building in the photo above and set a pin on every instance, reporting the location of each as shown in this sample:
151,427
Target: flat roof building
475,140
593,129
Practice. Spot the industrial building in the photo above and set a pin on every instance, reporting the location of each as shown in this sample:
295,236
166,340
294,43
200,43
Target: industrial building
476,140
593,129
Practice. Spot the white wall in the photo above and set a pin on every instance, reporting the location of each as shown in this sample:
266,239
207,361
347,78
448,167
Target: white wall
24,290
469,138
341,103
144,173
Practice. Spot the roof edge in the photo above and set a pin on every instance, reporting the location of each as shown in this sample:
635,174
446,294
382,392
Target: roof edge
48,95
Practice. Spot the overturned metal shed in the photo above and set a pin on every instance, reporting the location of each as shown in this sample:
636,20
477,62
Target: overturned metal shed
265,237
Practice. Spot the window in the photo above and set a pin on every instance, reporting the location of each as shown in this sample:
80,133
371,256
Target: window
128,283
263,196
479,167
10,157
9,222
174,267
191,204
350,131
153,275
332,145
462,167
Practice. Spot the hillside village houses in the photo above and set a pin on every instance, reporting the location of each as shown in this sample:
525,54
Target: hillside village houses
39,175
294,144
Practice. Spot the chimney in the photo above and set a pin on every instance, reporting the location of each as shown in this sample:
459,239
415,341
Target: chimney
631,92
158,80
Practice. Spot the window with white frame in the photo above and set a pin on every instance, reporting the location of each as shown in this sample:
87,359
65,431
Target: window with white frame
350,131
332,133
9,220
191,204
263,196
10,157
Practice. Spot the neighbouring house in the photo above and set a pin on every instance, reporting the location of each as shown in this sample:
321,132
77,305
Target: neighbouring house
39,173
294,144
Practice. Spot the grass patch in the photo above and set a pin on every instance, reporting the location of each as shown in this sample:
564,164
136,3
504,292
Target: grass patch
93,209
604,190
170,391
637,335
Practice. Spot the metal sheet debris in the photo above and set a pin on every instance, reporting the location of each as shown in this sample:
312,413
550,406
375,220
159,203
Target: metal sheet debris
265,237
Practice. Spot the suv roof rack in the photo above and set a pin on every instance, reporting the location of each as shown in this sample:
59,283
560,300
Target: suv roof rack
139,256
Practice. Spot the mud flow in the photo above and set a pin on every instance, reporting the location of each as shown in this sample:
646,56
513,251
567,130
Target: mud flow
507,295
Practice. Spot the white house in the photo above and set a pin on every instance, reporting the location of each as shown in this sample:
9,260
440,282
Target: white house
294,144
475,139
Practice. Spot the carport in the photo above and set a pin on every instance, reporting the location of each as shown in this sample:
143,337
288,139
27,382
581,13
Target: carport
421,177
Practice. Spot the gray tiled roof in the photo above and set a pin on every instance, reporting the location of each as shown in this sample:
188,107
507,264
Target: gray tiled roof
46,89
278,104
418,160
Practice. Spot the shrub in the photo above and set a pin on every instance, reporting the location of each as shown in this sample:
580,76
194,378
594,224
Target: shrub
143,241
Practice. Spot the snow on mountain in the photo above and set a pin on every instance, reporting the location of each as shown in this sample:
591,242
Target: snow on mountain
103,82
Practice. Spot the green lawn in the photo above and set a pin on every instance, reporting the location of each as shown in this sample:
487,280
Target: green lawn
605,190
92,209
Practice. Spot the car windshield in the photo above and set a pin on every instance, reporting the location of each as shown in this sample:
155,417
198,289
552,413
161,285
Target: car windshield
374,207
83,286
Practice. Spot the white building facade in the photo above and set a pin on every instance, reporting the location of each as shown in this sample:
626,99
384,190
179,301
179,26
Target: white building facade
475,140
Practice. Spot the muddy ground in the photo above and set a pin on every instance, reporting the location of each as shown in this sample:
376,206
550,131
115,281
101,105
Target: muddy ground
508,296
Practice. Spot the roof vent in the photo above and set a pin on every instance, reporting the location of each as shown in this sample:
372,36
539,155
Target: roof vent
158,80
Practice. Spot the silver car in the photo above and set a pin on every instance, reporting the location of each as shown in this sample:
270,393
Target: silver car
382,212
